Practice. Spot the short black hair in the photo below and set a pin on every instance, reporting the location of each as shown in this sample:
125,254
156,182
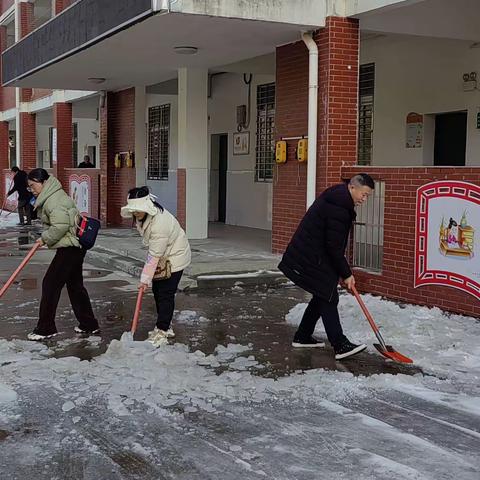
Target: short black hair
38,175
363,180
15,169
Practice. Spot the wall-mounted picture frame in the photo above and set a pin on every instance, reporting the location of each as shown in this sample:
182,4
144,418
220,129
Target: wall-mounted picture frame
241,143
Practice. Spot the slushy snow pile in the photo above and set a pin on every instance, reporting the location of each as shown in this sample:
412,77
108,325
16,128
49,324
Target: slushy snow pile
446,346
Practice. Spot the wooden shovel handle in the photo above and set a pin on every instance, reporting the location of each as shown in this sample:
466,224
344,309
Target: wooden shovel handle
138,308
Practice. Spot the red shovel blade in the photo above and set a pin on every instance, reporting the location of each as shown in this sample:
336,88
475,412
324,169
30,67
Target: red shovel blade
392,354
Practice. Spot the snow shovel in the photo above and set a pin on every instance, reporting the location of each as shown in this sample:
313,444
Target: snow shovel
386,350
19,268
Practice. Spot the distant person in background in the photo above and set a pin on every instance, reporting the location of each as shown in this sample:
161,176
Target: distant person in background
20,186
86,163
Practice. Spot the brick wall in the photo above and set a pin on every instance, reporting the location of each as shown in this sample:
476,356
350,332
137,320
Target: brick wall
40,93
182,197
103,153
396,279
4,165
28,144
62,121
291,119
5,5
27,22
61,5
121,138
338,45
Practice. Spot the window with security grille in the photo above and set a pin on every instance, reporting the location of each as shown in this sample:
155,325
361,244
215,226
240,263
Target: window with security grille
158,142
368,231
365,113
265,150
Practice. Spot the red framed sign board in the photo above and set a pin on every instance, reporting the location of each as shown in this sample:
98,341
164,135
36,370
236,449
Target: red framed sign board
447,236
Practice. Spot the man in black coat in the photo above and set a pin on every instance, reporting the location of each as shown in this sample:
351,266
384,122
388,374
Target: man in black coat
315,261
20,186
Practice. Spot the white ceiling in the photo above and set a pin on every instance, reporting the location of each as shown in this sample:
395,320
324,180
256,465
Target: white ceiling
144,54
455,19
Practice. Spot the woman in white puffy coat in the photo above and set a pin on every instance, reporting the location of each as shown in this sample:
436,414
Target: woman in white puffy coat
168,253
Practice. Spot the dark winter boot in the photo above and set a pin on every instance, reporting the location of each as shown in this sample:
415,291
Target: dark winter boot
347,349
306,342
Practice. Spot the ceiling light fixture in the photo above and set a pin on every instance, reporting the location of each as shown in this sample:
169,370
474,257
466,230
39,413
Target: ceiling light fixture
96,80
184,50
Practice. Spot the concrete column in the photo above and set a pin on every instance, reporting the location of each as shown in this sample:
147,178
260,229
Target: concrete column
192,188
62,122
140,135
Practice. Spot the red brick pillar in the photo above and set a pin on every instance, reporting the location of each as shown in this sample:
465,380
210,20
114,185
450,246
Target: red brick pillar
338,45
62,122
28,144
61,5
27,24
4,163
103,145
182,197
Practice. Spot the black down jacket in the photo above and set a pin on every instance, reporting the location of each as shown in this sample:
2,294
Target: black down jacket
315,257
20,185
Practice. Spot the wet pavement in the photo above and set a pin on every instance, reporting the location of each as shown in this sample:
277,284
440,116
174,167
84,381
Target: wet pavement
246,315
386,433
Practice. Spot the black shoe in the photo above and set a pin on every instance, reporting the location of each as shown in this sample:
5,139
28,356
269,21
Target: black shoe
347,349
21,224
307,343
87,331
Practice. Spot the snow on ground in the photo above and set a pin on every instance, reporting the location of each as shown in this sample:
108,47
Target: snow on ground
8,220
442,344
381,426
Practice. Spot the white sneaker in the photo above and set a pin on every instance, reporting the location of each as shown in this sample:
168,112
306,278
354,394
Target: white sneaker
157,337
36,337
170,333
90,332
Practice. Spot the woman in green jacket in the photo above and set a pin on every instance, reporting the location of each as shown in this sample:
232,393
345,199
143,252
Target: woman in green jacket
59,217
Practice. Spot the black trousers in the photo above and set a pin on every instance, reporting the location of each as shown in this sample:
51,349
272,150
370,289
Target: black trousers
24,210
65,269
329,312
164,292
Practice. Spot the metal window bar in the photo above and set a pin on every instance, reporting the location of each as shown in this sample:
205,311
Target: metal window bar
368,231
158,142
365,113
265,146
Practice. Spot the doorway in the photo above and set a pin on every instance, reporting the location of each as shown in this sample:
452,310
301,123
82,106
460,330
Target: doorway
222,177
450,139
218,178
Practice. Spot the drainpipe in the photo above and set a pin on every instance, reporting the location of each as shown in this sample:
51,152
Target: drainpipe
312,117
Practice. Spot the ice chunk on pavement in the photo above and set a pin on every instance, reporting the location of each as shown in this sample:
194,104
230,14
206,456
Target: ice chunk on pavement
7,394
67,406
